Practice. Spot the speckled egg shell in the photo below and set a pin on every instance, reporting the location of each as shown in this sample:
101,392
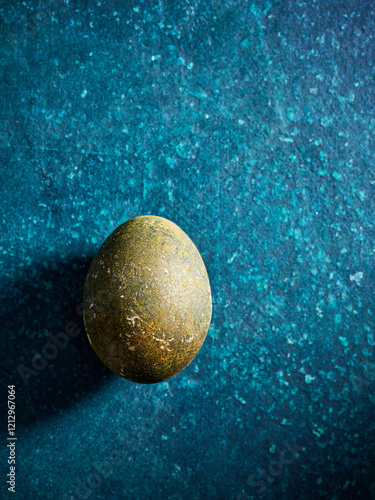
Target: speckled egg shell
147,300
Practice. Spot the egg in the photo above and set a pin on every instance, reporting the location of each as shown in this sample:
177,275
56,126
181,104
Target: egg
147,300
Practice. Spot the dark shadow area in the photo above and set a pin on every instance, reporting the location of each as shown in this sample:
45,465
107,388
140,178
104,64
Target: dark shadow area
46,352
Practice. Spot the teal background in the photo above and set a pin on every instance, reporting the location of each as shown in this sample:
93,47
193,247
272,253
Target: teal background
250,124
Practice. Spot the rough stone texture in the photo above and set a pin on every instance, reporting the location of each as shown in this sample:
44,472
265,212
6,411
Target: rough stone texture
147,300
251,125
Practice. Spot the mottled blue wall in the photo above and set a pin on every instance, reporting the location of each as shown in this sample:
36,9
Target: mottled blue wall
251,125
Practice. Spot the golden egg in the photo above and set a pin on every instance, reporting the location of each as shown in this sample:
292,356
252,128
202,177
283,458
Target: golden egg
147,300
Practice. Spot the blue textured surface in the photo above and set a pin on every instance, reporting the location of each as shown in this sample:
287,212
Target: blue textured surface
251,125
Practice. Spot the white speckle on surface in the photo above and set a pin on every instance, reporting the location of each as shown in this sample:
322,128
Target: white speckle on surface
132,319
84,94
309,379
163,342
231,259
357,277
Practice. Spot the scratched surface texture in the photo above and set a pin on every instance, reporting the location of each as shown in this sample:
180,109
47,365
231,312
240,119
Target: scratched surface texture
250,124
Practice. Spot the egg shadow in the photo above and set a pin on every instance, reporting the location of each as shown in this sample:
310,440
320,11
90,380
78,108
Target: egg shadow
51,370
